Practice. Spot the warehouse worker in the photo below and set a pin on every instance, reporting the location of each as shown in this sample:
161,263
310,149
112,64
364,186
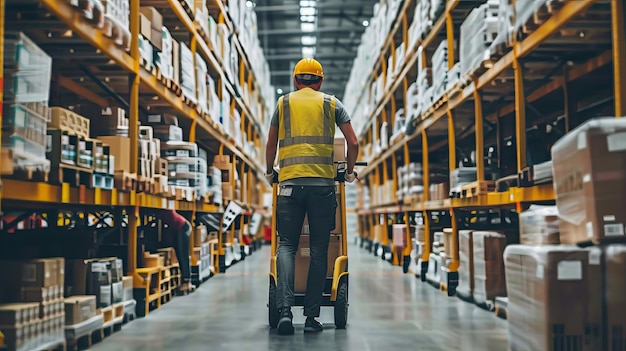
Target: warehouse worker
178,235
303,125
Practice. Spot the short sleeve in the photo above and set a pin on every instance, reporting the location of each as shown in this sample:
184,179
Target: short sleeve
341,115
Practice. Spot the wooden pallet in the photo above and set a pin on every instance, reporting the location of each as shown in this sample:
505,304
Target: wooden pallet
163,79
176,89
145,185
125,181
73,175
189,102
86,338
107,314
148,65
478,188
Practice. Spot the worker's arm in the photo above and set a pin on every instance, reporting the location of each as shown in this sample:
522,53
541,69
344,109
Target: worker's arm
270,149
353,144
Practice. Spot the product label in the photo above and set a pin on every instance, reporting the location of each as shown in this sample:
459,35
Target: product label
609,218
594,257
586,178
616,142
570,270
589,227
182,153
582,140
305,252
539,272
613,229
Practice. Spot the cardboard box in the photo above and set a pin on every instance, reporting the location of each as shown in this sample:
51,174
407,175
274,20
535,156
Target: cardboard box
39,273
168,132
153,15
35,295
117,292
615,288
554,295
145,27
489,279
119,147
303,257
589,167
222,162
176,61
18,313
79,309
466,266
127,286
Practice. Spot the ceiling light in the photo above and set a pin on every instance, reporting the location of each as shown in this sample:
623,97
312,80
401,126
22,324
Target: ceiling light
308,40
366,23
68,33
308,51
307,27
155,98
249,4
279,91
581,34
307,3
307,11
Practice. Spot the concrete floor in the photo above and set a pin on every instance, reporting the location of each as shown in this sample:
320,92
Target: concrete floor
388,311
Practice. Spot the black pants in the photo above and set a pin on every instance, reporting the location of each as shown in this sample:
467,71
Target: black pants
179,239
319,204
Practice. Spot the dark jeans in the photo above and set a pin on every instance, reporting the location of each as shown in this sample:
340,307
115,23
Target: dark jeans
319,204
179,239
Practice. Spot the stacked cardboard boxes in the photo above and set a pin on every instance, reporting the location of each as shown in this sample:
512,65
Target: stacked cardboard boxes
101,278
32,311
489,278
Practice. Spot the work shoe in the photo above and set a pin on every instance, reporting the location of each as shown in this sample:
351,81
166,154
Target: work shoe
312,326
285,325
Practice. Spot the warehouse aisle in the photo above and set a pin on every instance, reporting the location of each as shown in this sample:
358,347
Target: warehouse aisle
388,310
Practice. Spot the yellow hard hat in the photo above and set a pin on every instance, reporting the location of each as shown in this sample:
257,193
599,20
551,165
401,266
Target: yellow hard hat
309,66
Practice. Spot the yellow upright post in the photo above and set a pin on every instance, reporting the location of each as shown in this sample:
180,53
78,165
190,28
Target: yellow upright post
1,80
426,186
520,115
619,55
133,130
406,253
478,127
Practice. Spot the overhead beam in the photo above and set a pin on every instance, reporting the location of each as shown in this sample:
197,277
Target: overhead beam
298,55
358,4
297,31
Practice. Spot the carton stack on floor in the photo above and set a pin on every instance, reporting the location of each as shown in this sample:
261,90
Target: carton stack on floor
202,253
32,315
27,72
557,292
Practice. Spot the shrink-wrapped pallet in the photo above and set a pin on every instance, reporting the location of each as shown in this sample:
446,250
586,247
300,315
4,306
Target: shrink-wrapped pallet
539,225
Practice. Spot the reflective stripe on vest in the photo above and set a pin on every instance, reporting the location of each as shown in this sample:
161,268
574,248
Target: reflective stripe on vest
306,144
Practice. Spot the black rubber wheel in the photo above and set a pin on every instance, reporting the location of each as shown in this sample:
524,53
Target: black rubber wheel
341,304
406,262
274,315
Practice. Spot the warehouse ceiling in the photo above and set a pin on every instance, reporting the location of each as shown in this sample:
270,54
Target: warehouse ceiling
328,30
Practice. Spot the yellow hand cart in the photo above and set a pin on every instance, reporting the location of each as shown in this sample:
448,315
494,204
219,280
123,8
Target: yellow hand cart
336,287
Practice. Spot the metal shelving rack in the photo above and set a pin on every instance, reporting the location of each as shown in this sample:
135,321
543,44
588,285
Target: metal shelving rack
131,209
462,111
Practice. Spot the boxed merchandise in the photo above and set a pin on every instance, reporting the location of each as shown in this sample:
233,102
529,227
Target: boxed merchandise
539,225
39,273
466,263
118,147
187,73
615,270
303,257
555,298
489,282
18,313
127,285
168,132
79,309
589,166
156,25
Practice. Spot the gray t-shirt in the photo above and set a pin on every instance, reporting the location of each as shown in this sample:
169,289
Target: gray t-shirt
341,117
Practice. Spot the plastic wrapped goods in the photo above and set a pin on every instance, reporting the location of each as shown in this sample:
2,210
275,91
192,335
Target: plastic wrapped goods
589,166
466,263
539,225
555,298
489,279
614,273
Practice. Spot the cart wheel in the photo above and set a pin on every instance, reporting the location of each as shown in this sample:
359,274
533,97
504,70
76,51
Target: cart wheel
272,309
406,262
341,305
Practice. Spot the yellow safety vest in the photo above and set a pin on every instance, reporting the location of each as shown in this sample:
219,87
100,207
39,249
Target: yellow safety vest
306,134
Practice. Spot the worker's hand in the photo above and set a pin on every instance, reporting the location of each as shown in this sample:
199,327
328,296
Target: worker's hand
271,177
350,177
